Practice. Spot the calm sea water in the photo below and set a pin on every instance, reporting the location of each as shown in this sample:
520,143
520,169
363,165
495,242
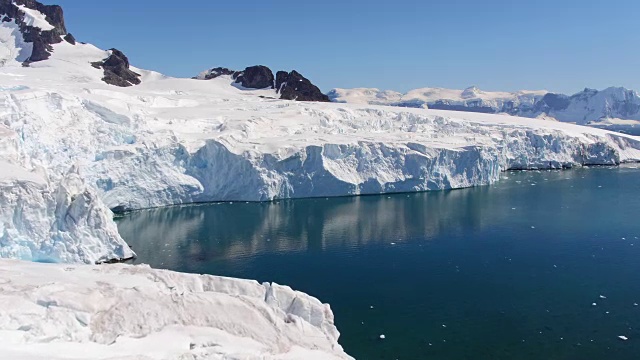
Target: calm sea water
509,271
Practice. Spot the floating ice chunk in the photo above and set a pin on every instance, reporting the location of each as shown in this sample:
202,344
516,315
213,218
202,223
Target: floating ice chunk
382,337
393,243
623,338
594,304
602,297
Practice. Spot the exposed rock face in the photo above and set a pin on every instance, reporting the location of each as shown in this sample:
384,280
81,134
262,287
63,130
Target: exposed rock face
116,70
255,77
290,85
41,39
53,13
294,86
70,39
215,72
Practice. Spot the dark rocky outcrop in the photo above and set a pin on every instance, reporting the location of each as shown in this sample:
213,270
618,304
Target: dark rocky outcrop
116,70
294,86
290,85
53,13
116,66
70,39
215,72
551,102
255,77
41,39
41,51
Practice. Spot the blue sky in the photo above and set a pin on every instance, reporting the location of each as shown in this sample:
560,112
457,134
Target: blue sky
561,45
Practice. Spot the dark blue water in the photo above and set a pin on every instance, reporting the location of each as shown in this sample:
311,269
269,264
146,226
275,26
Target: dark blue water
508,271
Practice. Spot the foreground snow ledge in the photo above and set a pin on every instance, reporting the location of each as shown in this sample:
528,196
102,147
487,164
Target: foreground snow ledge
55,312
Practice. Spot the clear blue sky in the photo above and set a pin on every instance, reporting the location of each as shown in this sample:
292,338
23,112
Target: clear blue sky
559,45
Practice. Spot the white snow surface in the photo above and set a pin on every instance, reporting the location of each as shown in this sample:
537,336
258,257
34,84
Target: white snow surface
35,18
84,147
13,49
586,107
64,312
471,96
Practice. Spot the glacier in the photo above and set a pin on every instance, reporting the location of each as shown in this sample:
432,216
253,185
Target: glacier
62,311
74,149
172,141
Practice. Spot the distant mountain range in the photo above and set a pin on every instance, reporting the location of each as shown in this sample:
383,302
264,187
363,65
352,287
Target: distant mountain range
614,105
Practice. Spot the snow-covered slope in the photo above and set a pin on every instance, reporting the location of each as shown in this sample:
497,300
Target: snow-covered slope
581,108
57,312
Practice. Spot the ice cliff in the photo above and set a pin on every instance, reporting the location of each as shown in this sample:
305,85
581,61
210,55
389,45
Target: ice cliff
72,147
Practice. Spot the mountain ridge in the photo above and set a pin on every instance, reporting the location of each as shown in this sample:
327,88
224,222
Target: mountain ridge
586,107
37,28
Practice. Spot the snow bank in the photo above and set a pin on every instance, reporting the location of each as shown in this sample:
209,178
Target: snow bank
134,312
